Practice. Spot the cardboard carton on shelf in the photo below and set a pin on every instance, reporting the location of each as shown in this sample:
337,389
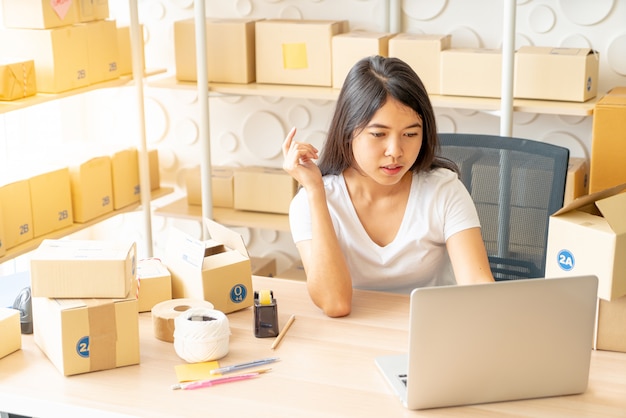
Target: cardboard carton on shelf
17,79
475,72
92,190
222,186
10,330
51,200
39,14
17,214
350,47
263,189
125,177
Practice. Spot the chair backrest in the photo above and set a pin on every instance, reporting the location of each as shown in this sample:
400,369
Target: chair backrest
516,184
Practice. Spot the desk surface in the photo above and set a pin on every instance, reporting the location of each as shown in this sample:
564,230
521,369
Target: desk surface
326,369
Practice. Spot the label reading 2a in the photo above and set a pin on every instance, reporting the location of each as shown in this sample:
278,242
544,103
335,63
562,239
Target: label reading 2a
566,260
82,347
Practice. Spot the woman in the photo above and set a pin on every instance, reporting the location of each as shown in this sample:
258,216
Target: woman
379,210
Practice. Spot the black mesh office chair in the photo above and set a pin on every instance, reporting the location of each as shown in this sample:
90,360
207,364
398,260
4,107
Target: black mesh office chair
516,185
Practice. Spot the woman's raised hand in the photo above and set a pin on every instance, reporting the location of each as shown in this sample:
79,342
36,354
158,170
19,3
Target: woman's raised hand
299,160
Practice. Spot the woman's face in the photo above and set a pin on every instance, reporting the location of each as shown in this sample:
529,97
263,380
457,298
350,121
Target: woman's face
388,146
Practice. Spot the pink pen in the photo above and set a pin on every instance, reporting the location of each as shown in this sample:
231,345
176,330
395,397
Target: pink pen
211,382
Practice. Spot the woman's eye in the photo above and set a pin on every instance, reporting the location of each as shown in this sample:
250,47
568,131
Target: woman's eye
377,134
411,134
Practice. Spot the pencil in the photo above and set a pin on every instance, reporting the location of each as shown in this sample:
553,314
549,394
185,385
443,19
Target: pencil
281,334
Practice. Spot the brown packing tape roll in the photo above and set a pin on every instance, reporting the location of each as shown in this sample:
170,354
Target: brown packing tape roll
164,313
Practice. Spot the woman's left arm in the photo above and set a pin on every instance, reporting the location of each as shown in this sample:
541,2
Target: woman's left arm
468,256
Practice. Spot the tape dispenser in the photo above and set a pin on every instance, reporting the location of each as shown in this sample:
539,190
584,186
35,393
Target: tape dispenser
265,314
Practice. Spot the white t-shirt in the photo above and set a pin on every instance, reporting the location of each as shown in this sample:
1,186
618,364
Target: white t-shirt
438,207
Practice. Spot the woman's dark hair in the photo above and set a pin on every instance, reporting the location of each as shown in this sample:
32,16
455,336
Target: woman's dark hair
368,85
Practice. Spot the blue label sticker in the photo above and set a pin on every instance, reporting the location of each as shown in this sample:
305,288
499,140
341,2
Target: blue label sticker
566,260
238,293
82,347
589,84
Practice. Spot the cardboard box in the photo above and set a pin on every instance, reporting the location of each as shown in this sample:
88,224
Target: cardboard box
11,331
153,284
51,201
471,72
294,272
17,213
611,326
423,53
83,269
125,51
230,49
3,242
577,182
607,168
89,10
263,189
155,175
217,270
17,79
350,47
103,52
92,190
296,51
263,266
61,55
222,186
125,177
588,236
566,74
87,335
39,14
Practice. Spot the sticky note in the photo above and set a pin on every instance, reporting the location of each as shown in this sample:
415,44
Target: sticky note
295,56
195,371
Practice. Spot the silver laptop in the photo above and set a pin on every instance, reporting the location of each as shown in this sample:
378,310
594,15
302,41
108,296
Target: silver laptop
495,342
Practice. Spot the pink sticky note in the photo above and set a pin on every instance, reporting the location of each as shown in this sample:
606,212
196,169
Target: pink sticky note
61,7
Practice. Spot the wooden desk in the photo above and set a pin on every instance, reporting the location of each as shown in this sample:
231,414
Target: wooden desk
326,369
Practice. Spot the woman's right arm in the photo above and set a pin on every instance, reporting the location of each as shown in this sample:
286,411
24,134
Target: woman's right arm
328,279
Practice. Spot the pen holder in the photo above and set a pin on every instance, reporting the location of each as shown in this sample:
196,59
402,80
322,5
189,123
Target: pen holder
265,314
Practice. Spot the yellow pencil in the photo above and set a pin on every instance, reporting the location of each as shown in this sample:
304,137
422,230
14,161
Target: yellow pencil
281,335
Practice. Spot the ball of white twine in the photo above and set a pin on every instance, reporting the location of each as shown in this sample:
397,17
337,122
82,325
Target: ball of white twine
201,334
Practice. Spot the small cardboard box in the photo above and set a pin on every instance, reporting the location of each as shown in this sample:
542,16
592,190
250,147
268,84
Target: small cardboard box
263,189
423,53
125,177
61,55
155,175
263,266
296,51
103,50
217,270
87,335
124,49
294,272
90,10
3,242
607,168
17,79
230,49
83,269
566,74
350,47
11,331
39,14
611,326
153,284
17,213
589,237
222,186
92,191
577,182
473,72
51,201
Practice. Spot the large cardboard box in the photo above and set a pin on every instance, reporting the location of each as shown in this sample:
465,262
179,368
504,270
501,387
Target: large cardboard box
103,52
39,14
611,326
153,284
217,270
567,74
89,10
222,186
473,72
61,55
296,51
263,266
263,189
87,335
92,190
51,201
17,213
125,177
607,168
230,49
588,236
11,331
423,53
350,47
125,50
577,182
83,269
17,79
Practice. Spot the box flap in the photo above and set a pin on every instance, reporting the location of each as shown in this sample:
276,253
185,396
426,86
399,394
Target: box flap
613,209
590,198
616,96
229,238
187,248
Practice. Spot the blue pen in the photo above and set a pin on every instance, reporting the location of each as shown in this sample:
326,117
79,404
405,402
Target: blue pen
237,367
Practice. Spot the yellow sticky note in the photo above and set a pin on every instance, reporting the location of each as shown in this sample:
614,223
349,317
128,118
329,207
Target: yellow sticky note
195,371
294,56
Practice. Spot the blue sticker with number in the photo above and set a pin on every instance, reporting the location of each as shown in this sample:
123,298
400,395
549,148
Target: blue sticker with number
566,261
238,293
82,347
